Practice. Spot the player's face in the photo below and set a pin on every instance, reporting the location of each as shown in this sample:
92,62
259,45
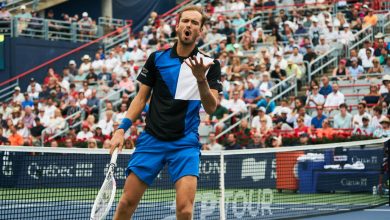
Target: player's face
189,27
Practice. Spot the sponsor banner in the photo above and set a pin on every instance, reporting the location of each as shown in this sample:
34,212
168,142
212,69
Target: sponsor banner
23,170
351,181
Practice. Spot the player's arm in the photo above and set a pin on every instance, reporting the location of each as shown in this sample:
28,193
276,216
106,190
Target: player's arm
208,85
147,80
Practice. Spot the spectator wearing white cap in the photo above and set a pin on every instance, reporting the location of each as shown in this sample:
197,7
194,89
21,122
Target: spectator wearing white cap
17,97
280,60
315,31
267,103
261,115
73,68
85,25
346,35
23,19
85,65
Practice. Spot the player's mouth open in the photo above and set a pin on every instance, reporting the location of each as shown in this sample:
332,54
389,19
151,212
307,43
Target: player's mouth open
187,33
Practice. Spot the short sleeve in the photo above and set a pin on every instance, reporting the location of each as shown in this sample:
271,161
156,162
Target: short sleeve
214,76
147,75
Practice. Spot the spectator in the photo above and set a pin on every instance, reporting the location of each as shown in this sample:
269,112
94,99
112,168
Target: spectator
85,26
232,143
341,72
104,76
281,121
299,112
92,144
355,70
367,61
4,15
243,134
376,67
127,84
372,98
137,54
325,131
323,47
335,98
236,104
73,70
28,118
212,145
267,103
346,36
17,96
301,127
384,132
24,18
84,134
255,142
310,54
107,124
353,55
315,98
68,142
342,120
357,118
97,64
275,141
93,102
111,61
362,55
377,118
57,122
34,84
251,94
303,139
386,68
370,19
3,139
256,121
265,83
36,130
27,102
14,138
364,129
381,45
107,144
316,122
86,65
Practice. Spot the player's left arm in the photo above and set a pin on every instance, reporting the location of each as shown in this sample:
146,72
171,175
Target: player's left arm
209,85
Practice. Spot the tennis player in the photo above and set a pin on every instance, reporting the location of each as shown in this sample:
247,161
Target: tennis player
179,80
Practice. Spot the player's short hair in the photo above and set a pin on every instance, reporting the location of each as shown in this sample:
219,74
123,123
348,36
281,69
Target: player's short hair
194,8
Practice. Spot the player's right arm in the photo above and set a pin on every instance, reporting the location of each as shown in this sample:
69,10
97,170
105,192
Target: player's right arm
135,109
147,79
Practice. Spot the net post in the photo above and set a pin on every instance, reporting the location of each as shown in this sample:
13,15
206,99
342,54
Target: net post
222,187
387,144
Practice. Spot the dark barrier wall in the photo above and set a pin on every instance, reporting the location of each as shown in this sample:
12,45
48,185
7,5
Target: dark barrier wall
72,7
139,10
22,54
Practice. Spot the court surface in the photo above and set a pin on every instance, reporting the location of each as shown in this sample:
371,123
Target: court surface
378,213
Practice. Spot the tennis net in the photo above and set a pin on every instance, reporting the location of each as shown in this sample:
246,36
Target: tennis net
272,183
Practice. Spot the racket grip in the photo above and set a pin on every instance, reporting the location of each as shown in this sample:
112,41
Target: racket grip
114,156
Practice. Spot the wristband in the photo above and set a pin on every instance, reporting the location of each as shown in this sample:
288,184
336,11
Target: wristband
125,124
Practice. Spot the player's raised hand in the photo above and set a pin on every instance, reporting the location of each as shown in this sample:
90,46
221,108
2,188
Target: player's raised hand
117,140
198,67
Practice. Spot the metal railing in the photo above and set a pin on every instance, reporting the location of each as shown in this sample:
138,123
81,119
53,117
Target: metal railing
114,93
233,126
15,4
6,27
281,89
331,57
7,91
121,38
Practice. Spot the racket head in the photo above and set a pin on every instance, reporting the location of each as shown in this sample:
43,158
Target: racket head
104,199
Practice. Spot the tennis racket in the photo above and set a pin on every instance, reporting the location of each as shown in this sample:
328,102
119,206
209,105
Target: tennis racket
106,195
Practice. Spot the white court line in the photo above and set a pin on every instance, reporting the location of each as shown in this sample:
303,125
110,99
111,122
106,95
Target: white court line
377,210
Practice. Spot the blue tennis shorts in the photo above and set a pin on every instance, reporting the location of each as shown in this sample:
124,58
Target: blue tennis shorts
151,155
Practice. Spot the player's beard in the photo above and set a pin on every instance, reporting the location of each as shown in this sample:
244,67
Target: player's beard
187,37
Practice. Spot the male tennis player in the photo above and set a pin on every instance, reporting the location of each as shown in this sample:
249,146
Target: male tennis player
181,79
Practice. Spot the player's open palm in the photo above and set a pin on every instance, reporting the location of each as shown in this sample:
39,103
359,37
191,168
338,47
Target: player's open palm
117,140
198,67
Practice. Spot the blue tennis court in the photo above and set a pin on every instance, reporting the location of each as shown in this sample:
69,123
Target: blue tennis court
379,213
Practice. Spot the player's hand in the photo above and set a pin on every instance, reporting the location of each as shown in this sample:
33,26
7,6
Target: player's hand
198,67
117,140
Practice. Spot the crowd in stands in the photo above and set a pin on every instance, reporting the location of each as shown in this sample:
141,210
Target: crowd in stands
254,57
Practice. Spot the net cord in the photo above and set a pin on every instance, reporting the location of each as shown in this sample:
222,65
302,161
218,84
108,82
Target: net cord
208,153
222,187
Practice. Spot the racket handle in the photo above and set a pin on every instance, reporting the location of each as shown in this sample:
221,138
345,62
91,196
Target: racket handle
114,156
